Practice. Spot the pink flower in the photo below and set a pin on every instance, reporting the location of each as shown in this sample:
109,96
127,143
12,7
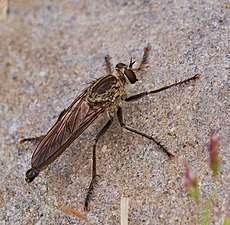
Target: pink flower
213,148
191,182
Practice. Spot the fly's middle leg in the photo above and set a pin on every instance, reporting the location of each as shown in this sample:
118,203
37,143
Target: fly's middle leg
94,169
120,119
142,94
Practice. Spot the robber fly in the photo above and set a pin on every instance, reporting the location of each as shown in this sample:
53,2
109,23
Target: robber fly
104,95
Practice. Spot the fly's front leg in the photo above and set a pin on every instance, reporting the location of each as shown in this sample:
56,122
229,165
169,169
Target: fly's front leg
145,56
108,64
142,94
120,119
94,169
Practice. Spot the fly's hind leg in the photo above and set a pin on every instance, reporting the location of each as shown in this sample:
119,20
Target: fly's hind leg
94,169
39,138
32,139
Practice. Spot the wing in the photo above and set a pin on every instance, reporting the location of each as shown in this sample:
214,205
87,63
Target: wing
70,124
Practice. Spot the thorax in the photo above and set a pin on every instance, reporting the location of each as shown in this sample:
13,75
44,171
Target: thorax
108,89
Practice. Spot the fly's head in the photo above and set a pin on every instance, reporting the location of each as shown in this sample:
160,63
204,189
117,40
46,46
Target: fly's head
126,72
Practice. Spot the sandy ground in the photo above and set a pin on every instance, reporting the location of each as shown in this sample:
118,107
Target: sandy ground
51,50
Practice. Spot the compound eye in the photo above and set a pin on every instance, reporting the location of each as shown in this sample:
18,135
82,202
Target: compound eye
121,65
130,75
30,175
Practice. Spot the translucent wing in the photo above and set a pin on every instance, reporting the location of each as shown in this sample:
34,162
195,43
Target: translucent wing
70,124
